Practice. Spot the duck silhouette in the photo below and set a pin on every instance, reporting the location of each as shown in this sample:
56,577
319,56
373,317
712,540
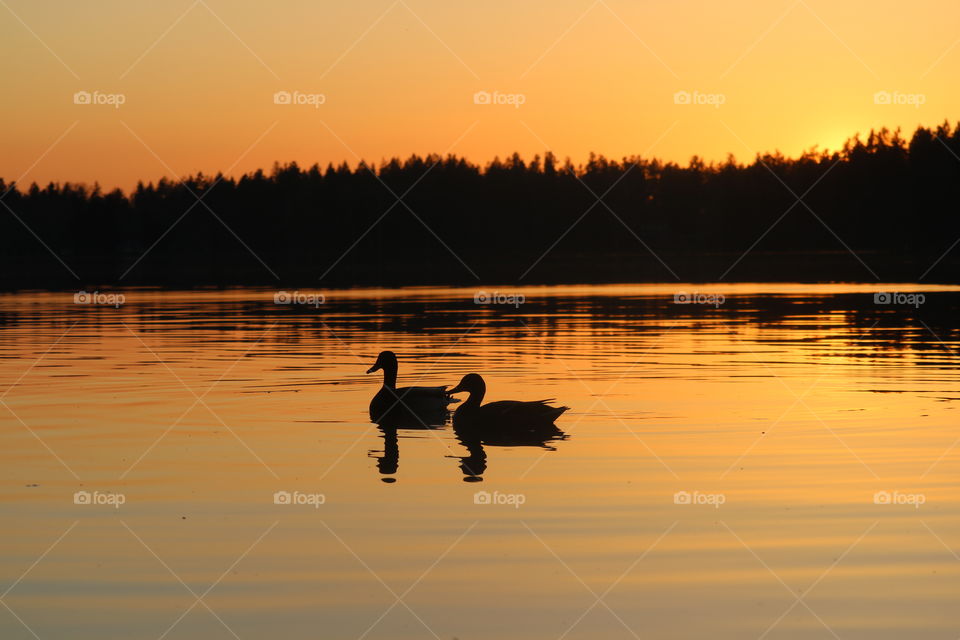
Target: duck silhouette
508,417
414,407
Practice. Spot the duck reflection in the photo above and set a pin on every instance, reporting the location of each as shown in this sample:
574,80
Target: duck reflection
474,436
388,460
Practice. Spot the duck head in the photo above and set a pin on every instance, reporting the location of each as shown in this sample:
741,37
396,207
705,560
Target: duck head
473,384
387,361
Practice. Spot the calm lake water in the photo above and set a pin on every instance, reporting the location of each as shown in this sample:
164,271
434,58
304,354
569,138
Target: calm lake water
769,461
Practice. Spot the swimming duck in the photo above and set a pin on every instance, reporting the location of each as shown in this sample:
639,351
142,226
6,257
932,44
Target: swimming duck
503,415
416,406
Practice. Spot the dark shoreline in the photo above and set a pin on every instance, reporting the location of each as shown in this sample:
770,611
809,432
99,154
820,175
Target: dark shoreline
881,209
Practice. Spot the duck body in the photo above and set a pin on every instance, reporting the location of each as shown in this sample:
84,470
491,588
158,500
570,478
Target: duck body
505,412
418,407
508,417
391,404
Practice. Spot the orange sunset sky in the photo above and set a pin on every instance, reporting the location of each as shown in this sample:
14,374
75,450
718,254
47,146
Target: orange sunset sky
197,80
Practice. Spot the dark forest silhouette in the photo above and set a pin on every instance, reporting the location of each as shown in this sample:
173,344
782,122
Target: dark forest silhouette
890,200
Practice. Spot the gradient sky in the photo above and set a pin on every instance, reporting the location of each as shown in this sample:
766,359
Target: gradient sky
198,78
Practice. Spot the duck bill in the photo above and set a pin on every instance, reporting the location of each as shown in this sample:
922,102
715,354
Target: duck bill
375,367
456,389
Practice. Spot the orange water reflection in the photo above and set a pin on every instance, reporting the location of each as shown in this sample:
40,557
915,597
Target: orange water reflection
803,422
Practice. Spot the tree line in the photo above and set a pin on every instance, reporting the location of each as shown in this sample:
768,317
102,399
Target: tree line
882,207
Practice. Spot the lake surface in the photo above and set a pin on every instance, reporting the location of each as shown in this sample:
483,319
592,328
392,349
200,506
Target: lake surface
764,461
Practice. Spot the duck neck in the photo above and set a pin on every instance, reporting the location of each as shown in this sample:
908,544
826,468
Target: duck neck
475,397
390,376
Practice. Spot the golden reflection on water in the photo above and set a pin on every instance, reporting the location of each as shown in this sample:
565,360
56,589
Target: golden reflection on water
787,414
